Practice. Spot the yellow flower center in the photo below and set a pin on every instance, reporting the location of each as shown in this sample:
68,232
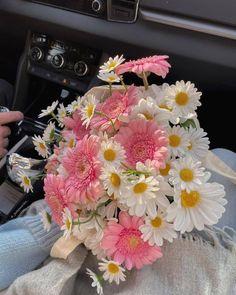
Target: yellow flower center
189,200
182,98
133,242
157,222
62,114
42,146
165,171
174,140
190,146
68,223
90,109
112,65
186,174
26,180
140,188
113,268
148,116
109,155
112,78
164,106
115,179
71,143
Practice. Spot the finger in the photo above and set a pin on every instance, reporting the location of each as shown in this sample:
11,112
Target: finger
9,117
5,142
4,131
3,152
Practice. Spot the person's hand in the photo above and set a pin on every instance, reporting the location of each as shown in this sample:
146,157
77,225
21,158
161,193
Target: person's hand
5,131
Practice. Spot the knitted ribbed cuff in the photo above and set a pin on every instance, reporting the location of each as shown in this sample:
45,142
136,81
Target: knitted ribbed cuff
45,239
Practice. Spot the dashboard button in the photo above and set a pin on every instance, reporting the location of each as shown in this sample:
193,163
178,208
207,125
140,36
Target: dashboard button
81,68
36,54
58,61
98,6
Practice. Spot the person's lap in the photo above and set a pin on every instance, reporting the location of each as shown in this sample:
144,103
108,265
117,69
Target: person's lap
228,219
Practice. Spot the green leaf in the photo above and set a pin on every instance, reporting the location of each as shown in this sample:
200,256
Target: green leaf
188,123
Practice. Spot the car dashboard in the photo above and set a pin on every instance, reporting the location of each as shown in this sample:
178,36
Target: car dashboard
199,37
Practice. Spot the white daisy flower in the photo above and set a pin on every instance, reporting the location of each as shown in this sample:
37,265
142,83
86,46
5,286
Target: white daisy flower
93,243
112,63
113,271
144,195
48,110
96,281
152,91
46,220
198,143
62,171
111,153
178,141
156,230
165,190
82,231
164,113
112,181
41,146
187,173
147,168
88,109
61,114
90,232
70,139
159,96
67,223
74,105
49,132
25,182
145,109
109,77
164,172
199,207
183,98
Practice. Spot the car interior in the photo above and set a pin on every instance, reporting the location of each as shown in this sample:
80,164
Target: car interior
51,50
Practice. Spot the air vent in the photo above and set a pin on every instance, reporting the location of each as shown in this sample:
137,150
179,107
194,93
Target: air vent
122,10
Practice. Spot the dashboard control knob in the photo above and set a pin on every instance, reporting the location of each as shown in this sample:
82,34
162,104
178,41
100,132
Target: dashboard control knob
98,6
58,61
81,68
36,54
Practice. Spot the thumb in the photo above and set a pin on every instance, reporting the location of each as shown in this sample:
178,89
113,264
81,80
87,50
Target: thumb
9,117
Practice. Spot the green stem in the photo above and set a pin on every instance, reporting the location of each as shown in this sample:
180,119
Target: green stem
82,222
136,172
127,167
97,221
40,176
133,171
145,81
123,83
54,117
104,115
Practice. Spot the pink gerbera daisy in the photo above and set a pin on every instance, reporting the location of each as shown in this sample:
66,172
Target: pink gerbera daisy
54,187
117,107
143,140
83,185
75,124
122,241
156,64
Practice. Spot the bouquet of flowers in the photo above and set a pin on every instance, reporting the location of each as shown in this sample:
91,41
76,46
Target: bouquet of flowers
126,172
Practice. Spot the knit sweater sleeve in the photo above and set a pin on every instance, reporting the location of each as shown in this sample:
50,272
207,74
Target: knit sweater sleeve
24,245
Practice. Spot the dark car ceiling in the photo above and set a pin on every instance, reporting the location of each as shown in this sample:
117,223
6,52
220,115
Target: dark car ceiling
204,58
